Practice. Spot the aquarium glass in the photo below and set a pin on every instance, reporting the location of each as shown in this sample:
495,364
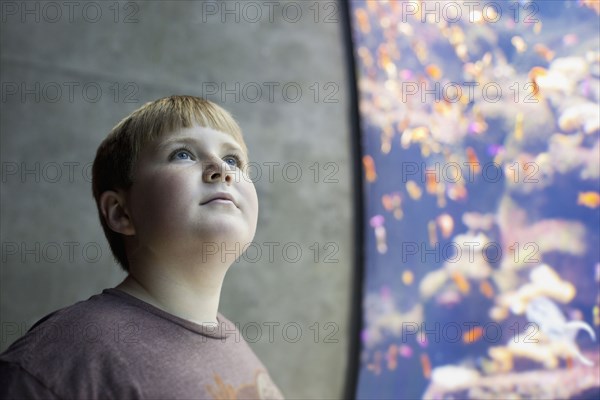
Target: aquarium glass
480,150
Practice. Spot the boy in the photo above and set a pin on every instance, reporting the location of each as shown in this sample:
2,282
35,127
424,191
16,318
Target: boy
170,184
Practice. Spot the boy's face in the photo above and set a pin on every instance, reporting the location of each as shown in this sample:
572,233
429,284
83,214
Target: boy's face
174,179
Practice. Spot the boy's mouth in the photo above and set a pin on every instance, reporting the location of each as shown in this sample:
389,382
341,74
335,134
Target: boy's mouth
219,197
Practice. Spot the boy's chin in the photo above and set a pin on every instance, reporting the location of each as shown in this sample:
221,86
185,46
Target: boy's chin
224,237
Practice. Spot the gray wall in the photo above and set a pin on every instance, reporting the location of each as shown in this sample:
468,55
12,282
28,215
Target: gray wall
169,48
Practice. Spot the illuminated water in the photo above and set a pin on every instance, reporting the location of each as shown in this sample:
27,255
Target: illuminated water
481,157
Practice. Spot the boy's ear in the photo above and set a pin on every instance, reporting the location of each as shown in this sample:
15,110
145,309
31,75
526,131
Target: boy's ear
116,215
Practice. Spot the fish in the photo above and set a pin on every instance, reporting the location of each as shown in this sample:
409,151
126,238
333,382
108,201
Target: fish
393,202
432,233
413,135
588,199
426,365
544,52
362,18
433,71
386,200
380,234
473,160
533,75
485,287
408,277
414,191
391,356
369,165
431,182
550,320
420,49
385,61
461,282
457,191
462,52
518,134
472,335
365,56
441,198
519,44
375,366
446,224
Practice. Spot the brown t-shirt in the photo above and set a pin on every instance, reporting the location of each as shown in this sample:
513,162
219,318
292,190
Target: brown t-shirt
116,346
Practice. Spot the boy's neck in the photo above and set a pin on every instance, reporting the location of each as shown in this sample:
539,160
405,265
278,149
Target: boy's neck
198,305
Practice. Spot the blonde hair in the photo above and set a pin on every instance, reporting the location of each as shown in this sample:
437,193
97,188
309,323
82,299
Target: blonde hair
117,155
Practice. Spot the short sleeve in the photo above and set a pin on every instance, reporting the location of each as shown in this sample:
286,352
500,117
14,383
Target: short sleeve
16,383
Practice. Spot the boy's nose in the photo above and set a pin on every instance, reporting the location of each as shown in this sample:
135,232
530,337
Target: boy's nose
217,171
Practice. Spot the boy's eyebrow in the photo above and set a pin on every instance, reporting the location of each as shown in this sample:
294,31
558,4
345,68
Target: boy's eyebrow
191,140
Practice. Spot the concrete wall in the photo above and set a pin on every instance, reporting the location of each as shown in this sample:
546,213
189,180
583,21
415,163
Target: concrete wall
69,74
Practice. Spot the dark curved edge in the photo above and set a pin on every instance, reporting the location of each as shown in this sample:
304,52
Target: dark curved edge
356,293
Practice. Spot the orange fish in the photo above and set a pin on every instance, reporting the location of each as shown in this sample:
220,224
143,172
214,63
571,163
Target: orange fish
588,199
431,183
387,202
519,127
362,17
473,160
473,335
420,49
407,277
385,61
433,71
402,125
446,224
432,233
426,365
414,191
365,56
444,107
369,165
461,282
392,355
441,198
544,52
375,366
457,191
534,73
486,289
393,202
519,44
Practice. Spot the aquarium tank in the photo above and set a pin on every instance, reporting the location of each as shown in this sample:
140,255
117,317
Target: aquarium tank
479,136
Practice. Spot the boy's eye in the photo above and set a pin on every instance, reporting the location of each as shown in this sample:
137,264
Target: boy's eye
181,154
233,160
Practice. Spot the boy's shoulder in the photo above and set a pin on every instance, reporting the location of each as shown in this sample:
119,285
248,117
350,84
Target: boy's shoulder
108,321
79,339
99,343
102,322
